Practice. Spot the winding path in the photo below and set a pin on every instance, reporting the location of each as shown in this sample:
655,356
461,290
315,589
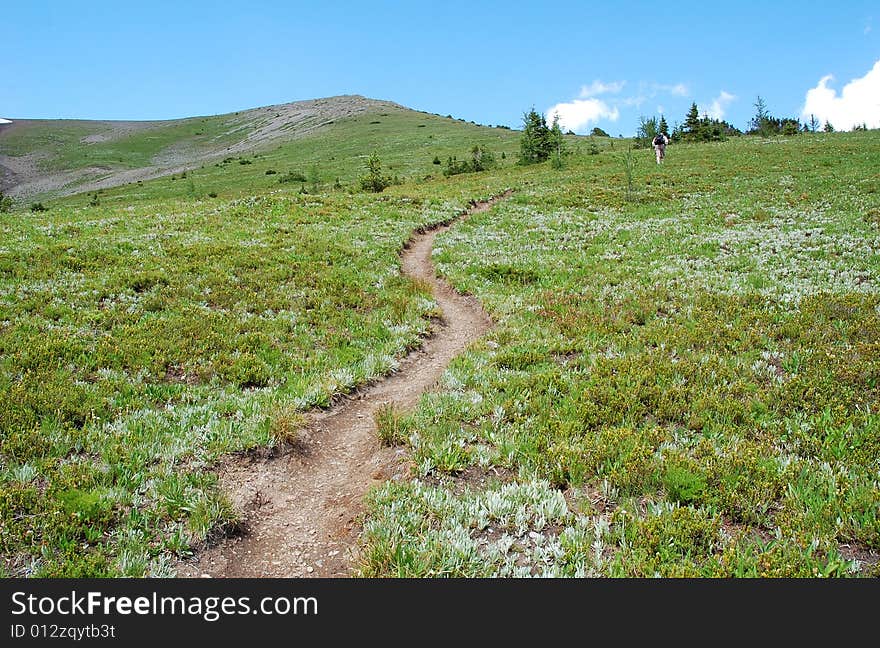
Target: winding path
302,508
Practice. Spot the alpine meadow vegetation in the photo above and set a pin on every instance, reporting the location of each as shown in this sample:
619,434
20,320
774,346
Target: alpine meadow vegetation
681,382
683,377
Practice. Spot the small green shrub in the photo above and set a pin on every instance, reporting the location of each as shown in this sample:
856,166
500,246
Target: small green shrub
285,424
391,425
683,485
374,180
143,281
449,457
88,507
481,159
246,371
292,176
5,203
509,274
672,544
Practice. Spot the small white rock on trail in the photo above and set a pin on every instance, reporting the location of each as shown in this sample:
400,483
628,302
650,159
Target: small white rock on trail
302,508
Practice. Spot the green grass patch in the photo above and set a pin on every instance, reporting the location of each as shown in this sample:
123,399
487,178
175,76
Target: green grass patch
682,381
695,366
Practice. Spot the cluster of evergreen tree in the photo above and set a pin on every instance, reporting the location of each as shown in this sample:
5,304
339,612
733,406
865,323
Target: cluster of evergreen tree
481,159
703,129
650,127
765,124
540,142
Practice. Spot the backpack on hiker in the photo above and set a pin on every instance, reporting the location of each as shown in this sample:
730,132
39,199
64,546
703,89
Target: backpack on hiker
659,140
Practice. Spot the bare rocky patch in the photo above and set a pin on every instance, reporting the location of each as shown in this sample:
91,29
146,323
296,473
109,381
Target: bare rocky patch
868,561
472,478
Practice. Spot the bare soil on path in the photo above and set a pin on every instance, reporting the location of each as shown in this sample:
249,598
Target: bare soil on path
302,509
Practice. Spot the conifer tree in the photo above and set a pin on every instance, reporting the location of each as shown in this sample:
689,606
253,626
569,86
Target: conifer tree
535,144
556,142
761,120
374,180
692,120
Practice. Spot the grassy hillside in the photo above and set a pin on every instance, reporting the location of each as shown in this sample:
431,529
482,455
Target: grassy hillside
680,384
321,141
407,143
683,379
74,144
139,344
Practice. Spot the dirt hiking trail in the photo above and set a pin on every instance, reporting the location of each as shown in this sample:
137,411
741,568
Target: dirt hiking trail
301,509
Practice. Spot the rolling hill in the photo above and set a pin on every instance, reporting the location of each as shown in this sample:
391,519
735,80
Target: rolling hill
328,138
681,377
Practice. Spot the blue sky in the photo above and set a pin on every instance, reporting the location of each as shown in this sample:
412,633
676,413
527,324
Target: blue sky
605,63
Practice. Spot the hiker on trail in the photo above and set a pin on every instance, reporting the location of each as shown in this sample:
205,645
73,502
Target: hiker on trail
660,142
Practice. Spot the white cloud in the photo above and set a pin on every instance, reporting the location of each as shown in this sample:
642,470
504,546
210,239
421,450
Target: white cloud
858,103
597,87
634,101
5,121
588,108
653,89
719,105
650,90
576,115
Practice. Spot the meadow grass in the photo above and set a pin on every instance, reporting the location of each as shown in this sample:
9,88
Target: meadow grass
694,369
682,380
140,344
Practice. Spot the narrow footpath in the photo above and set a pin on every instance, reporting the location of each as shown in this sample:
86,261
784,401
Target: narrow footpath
302,508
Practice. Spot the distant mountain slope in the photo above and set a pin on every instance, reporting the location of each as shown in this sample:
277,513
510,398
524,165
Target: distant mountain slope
60,157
